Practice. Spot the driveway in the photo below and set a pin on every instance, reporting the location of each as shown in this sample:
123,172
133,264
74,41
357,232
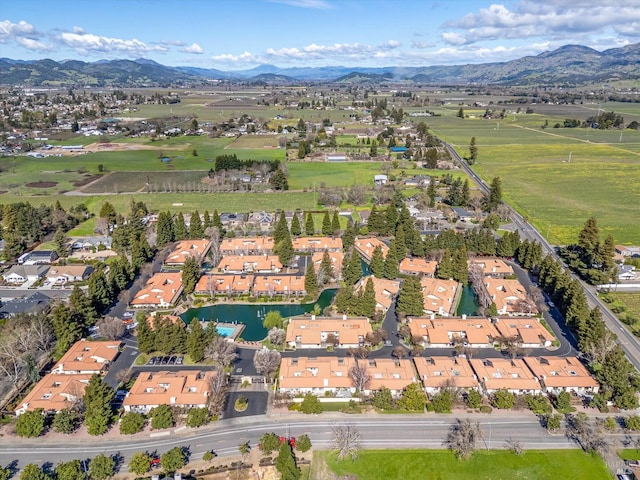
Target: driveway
258,402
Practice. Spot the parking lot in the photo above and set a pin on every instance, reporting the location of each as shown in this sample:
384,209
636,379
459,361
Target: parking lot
168,360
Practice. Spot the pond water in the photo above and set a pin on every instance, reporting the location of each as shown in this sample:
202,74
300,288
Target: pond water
251,314
468,304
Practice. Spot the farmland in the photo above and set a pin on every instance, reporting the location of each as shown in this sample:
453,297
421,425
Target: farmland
626,306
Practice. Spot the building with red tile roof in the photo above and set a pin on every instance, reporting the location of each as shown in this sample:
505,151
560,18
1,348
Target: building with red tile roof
440,296
558,374
472,332
188,249
438,372
55,392
285,285
315,332
161,291
246,246
386,290
528,331
250,264
211,284
418,266
502,374
366,246
317,244
510,297
87,357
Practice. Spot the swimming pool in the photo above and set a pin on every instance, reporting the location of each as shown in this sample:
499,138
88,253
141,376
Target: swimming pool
225,331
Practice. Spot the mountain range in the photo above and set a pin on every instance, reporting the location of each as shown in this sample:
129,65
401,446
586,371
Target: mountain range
568,65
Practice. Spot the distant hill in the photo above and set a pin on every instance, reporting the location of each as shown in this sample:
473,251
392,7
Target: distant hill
568,65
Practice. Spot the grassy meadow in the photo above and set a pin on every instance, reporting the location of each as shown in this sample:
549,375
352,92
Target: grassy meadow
483,465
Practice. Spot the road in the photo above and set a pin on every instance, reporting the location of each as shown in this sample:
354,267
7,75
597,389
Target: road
629,343
400,431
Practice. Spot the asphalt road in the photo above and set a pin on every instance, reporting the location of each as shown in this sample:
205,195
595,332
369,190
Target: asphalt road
629,343
392,431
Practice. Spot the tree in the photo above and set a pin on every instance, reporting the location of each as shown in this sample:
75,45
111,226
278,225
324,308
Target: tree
345,442
382,399
34,472
310,404
196,341
180,228
65,421
71,470
311,280
197,417
326,223
196,230
140,463
303,443
553,422
162,417
131,422
413,398
352,273
326,273
146,337
495,194
276,336
97,400
296,228
30,424
474,399
286,463
473,151
360,376
279,180
111,328
269,442
266,362
377,262
273,319
60,240
209,455
410,300
102,467
503,399
309,227
368,300
190,274
218,387
221,351
391,265
335,223
173,459
442,402
462,438
460,113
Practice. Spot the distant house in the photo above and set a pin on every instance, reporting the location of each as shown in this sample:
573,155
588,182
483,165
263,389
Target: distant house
317,244
463,214
63,274
91,243
380,179
366,246
260,220
188,249
492,267
418,181
39,257
19,274
232,220
627,272
37,302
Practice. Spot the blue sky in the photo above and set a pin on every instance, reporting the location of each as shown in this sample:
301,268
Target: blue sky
239,34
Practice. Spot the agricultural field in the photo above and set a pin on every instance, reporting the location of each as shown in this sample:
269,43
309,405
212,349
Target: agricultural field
626,306
489,465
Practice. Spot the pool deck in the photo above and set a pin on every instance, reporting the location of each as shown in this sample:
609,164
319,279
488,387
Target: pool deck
237,328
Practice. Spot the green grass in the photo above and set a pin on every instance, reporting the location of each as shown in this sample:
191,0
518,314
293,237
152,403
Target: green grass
489,465
629,454
626,306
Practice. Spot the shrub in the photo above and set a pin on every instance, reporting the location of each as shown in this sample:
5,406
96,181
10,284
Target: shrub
131,423
311,404
538,404
485,409
474,399
30,424
503,400
632,423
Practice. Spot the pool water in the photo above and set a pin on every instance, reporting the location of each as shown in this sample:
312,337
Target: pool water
225,331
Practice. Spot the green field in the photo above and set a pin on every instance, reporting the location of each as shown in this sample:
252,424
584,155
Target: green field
483,465
626,306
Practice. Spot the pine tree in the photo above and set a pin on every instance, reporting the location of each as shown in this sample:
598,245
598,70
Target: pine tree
335,223
97,401
206,220
495,194
353,272
410,299
164,229
190,274
391,265
196,230
215,220
286,463
66,328
60,241
180,228
465,194
99,290
445,267
377,262
296,229
460,266
473,151
309,226
368,300
390,220
281,230
284,248
348,237
326,223
326,268
375,222
398,245
196,341
146,337
311,280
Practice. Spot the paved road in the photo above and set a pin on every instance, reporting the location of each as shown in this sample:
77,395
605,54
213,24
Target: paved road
400,431
629,343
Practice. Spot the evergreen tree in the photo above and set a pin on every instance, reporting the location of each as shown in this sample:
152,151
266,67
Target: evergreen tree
196,230
326,224
398,245
296,229
495,194
445,269
66,327
311,280
410,299
60,242
352,273
473,151
465,194
326,268
190,274
390,220
432,192
206,220
375,222
196,341
82,308
164,229
368,300
377,262
215,220
146,337
99,290
460,266
162,329
119,274
281,229
284,249
391,265
348,237
286,463
335,223
97,400
180,228
309,226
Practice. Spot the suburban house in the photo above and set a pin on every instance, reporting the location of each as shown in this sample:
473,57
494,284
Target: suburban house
462,214
386,290
161,291
87,244
439,295
492,267
38,257
627,272
559,374
232,220
438,372
380,179
317,375
34,303
316,332
87,357
279,285
418,266
445,332
510,297
224,285
54,392
628,251
502,374
183,389
62,274
395,374
317,244
336,261
529,332
250,264
19,274
260,220
246,246
188,249
365,247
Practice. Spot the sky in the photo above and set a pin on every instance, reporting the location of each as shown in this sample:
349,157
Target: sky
241,34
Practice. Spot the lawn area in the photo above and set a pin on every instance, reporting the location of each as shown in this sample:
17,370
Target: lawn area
489,465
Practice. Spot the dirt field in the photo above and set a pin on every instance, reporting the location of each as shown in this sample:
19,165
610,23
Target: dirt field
111,147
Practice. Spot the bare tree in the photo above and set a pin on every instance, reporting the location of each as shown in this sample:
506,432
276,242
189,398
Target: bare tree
266,362
359,352
222,351
399,351
213,234
515,446
276,336
462,437
596,352
346,441
360,376
332,340
218,388
586,435
111,328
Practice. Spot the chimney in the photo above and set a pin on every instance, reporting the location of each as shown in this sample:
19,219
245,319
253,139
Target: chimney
464,316
313,317
344,317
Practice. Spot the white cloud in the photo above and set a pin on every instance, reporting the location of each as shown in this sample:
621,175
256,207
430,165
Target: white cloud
23,34
318,4
88,43
454,38
193,48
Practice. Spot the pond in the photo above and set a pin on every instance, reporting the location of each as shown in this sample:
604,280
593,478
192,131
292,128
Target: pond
468,304
251,314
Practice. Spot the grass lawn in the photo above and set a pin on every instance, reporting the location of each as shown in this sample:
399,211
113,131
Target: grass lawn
489,465
629,454
626,306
